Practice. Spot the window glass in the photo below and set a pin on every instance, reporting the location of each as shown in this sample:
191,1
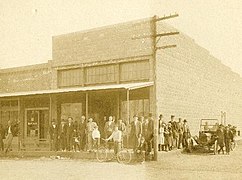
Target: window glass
134,71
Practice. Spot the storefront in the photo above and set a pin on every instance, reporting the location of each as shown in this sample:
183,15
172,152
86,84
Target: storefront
36,109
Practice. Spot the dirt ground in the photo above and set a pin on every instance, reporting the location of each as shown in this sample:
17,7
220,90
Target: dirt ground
173,165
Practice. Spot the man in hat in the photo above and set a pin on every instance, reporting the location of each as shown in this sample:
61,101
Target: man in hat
186,133
135,132
82,132
174,131
62,135
108,129
220,135
180,133
53,130
69,134
228,137
147,132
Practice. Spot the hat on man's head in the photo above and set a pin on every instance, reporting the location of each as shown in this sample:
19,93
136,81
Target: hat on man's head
160,115
185,120
172,116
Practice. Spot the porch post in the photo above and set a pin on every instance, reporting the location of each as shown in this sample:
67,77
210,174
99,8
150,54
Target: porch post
87,106
19,123
50,112
118,106
128,119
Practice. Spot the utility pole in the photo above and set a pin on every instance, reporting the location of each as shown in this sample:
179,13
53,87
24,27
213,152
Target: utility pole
154,35
155,41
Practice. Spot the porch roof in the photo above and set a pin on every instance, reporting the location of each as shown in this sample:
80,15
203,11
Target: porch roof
128,86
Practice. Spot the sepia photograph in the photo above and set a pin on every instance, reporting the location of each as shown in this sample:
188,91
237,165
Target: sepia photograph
120,90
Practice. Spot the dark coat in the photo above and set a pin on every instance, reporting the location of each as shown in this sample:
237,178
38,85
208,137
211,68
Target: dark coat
69,130
147,130
135,129
53,132
62,130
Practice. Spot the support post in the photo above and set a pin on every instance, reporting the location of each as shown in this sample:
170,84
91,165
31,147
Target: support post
19,123
86,106
128,119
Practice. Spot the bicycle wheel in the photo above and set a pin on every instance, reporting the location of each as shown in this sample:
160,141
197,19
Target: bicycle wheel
124,156
101,154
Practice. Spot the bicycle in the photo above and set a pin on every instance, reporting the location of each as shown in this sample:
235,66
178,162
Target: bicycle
104,154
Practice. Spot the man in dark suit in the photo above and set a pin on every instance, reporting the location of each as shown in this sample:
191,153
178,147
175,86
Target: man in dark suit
135,132
82,132
147,132
62,135
53,136
69,134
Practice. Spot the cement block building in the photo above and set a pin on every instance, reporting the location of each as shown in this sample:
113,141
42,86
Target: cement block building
117,70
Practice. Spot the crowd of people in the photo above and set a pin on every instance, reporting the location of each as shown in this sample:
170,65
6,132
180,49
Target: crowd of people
174,134
225,136
86,134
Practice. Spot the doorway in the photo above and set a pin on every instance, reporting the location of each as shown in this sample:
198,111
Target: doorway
37,122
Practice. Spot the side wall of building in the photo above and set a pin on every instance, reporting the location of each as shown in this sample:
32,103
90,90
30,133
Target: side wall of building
192,84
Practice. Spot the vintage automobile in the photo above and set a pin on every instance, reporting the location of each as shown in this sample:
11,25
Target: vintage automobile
207,138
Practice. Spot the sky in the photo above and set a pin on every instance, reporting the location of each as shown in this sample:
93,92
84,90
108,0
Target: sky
27,26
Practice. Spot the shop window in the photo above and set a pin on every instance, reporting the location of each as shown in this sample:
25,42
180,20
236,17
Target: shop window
8,111
71,77
138,107
100,74
134,71
73,110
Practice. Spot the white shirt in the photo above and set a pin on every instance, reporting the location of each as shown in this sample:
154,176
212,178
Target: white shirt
9,130
116,136
95,134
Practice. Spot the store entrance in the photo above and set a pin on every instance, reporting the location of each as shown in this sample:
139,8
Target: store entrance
36,127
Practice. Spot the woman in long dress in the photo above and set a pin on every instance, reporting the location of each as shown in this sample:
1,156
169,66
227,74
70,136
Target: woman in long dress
161,137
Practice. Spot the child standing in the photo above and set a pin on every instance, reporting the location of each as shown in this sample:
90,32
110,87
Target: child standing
96,137
76,142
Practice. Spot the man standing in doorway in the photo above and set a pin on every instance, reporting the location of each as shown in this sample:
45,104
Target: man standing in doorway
69,134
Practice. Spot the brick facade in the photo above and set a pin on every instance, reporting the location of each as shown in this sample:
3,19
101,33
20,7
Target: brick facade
29,78
112,42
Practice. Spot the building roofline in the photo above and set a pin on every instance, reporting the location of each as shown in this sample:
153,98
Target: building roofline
136,21
25,68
